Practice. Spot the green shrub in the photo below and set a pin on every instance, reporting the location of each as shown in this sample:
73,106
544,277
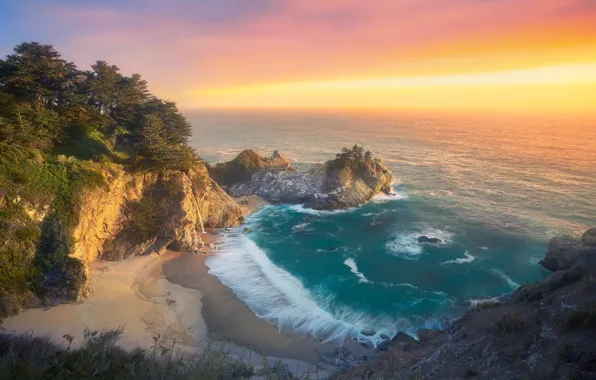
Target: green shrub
509,323
580,319
144,218
99,357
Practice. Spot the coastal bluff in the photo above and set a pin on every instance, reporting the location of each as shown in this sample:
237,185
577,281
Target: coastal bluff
349,180
132,213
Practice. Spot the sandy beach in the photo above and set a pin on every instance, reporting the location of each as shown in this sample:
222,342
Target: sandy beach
250,204
174,297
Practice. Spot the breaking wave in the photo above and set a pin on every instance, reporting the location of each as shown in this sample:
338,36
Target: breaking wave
407,246
468,259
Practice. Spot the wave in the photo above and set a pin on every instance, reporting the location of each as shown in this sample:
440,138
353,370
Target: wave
300,226
397,193
406,245
468,259
277,296
505,278
305,210
479,301
354,269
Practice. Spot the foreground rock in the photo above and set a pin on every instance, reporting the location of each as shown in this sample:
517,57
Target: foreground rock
350,180
545,330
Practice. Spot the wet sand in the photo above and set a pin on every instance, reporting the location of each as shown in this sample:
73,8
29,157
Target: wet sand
230,319
250,204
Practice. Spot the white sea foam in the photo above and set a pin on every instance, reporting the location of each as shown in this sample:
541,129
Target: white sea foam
484,248
397,193
277,296
300,226
480,301
310,211
354,269
406,245
505,278
468,259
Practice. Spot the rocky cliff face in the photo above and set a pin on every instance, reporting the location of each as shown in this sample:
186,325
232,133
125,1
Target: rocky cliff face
182,204
545,330
245,165
328,186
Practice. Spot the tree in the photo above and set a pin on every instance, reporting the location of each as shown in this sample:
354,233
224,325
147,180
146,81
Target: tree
160,149
35,73
104,87
131,93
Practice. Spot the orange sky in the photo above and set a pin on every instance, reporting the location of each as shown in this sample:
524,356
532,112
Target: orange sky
509,55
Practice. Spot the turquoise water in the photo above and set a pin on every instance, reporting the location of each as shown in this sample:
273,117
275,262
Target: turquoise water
494,190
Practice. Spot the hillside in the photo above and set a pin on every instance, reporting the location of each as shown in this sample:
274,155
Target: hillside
92,166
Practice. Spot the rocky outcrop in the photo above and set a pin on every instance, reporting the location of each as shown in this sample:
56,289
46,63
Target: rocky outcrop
245,165
183,202
544,330
567,251
333,185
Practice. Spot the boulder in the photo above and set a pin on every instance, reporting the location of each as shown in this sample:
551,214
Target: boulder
562,251
589,238
384,345
426,334
402,337
247,230
368,332
426,239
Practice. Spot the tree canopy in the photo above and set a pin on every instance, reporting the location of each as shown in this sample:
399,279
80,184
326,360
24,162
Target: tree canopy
47,102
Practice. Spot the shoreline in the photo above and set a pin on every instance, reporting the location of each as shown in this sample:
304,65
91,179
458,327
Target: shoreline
173,296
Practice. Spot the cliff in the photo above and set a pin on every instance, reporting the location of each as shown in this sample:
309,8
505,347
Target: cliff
544,330
126,213
341,183
136,214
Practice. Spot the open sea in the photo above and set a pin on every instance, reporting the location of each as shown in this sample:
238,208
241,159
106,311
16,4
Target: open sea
493,189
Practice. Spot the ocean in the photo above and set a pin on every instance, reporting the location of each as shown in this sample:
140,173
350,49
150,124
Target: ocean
493,189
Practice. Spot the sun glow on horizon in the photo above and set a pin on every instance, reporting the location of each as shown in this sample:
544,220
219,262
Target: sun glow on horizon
568,87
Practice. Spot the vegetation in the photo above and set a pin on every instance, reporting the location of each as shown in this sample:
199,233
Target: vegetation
580,319
240,169
510,322
60,127
100,357
355,158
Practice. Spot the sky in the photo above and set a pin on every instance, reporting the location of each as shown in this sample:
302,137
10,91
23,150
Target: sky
479,55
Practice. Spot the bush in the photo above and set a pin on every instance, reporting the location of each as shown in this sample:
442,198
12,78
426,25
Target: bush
99,357
509,323
580,319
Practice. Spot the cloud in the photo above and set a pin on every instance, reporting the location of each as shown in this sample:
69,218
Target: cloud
180,45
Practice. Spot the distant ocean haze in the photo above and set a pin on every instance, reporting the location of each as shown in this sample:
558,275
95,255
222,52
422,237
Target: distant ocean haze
493,189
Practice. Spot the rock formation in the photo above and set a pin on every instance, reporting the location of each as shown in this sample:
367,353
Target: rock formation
245,165
103,230
544,330
336,184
